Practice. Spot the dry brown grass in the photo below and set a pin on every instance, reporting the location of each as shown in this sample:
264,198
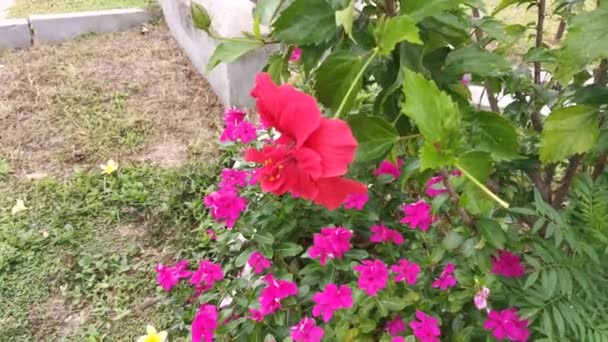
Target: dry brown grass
123,96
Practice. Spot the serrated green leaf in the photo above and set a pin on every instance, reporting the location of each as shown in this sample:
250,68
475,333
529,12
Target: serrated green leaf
492,232
433,111
569,131
335,76
586,41
288,249
420,9
229,51
431,158
345,17
477,61
375,136
395,30
495,135
305,22
266,10
476,163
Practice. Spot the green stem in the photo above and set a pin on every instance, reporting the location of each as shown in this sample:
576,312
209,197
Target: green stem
352,86
482,187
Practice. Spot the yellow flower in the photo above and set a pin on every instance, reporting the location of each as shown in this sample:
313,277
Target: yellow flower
153,336
109,167
18,207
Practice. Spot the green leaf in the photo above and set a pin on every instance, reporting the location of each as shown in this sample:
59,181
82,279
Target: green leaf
569,131
452,240
334,78
476,163
395,30
375,136
345,17
392,304
264,238
504,4
586,41
229,51
305,22
243,257
266,10
594,94
366,325
431,158
288,249
433,111
420,9
200,17
477,61
278,68
492,232
495,135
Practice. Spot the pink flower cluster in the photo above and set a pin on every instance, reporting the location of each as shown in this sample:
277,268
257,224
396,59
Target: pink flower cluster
446,278
331,243
508,265
307,331
258,262
426,328
389,168
169,276
507,324
434,188
203,278
234,178
355,201
204,323
418,215
406,271
332,298
237,128
373,276
206,275
383,234
226,205
275,290
395,327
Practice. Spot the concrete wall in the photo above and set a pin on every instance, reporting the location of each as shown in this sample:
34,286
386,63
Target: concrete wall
231,82
15,34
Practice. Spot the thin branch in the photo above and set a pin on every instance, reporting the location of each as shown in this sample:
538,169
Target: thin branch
600,74
561,28
540,26
562,191
538,181
599,166
478,36
455,198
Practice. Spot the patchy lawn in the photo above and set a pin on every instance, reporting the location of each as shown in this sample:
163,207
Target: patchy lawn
79,263
22,8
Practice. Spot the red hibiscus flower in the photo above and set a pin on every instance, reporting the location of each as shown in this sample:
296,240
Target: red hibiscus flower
312,154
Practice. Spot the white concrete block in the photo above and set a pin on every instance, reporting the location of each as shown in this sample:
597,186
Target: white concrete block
56,28
233,82
14,33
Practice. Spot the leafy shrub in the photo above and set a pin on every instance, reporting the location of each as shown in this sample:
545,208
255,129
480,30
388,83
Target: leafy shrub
455,222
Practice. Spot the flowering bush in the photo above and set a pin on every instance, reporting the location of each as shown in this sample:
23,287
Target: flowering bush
386,207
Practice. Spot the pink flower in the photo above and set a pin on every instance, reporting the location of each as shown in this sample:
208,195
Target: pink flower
426,328
373,277
446,279
332,298
398,339
466,79
433,190
406,271
296,55
418,215
456,173
355,201
232,118
244,132
270,298
383,234
506,324
307,331
226,205
331,243
507,264
258,262
168,277
481,298
206,275
256,315
233,178
395,327
211,234
388,168
204,323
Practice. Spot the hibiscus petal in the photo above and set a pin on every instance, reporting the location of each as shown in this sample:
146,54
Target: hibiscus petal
268,105
333,191
334,142
309,161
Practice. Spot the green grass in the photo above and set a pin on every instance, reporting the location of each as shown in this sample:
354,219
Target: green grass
79,263
23,8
